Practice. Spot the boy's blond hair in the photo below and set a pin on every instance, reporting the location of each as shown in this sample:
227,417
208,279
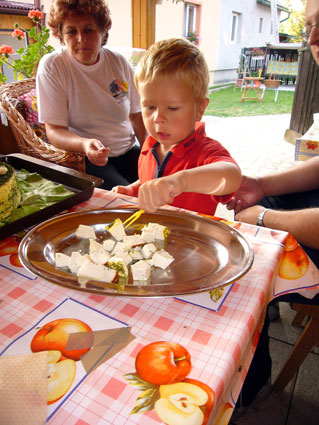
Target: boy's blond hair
175,57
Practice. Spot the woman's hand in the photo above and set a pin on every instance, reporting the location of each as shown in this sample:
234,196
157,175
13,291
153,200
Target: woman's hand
96,152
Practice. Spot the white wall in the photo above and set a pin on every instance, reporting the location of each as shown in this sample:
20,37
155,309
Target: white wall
248,34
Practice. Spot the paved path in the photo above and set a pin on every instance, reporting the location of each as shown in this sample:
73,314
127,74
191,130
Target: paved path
256,143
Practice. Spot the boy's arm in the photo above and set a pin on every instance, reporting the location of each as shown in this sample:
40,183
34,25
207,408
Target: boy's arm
218,178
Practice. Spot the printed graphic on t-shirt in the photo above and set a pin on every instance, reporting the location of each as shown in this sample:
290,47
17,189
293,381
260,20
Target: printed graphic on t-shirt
118,88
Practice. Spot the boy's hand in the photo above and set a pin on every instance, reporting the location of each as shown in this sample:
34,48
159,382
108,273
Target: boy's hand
124,190
158,192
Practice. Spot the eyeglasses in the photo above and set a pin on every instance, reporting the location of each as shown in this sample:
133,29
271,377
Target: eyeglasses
307,31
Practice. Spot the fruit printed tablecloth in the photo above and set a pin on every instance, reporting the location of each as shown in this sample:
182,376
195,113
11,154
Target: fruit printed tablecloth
121,360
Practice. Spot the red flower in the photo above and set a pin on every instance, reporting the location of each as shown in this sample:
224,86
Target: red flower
36,15
6,50
18,34
312,145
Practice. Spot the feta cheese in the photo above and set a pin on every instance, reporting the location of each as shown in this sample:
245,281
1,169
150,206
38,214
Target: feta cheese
133,240
76,260
162,259
108,244
119,247
96,272
85,232
98,253
62,260
100,257
141,270
95,246
156,231
136,255
116,229
148,250
119,265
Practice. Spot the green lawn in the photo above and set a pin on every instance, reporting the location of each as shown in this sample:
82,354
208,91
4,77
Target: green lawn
226,103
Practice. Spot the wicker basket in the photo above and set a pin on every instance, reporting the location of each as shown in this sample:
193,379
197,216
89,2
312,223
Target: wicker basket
272,82
27,140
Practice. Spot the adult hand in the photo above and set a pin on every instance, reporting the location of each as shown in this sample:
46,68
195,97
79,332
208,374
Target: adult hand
158,192
96,152
249,193
249,215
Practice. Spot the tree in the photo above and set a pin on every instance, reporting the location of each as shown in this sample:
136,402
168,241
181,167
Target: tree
296,22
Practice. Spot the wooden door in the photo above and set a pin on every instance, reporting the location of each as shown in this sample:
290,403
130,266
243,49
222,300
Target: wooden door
143,17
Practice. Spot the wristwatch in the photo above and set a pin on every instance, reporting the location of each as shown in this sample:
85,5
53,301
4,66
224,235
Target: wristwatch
260,218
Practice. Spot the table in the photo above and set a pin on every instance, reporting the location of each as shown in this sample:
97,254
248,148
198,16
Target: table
252,83
220,336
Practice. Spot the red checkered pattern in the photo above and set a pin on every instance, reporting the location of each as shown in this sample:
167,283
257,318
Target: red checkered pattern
221,343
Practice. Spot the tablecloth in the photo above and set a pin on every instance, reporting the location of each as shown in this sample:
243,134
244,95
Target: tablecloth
218,337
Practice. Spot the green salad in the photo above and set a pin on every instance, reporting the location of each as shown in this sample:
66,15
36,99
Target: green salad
36,193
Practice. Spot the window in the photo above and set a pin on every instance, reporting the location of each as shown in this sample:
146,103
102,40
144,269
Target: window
189,18
234,27
261,24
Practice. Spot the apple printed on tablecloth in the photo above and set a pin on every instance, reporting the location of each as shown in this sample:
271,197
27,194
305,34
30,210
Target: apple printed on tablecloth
74,349
161,374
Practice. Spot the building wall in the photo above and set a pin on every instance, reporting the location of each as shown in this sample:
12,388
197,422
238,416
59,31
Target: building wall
228,54
214,27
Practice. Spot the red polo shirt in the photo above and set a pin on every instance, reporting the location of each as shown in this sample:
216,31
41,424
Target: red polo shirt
196,150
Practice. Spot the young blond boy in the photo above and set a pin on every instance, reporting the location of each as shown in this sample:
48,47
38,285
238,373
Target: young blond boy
178,164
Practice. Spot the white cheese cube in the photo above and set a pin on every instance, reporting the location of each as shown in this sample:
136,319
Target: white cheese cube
141,270
95,246
148,250
119,265
85,232
62,260
136,255
96,272
117,229
119,247
156,230
133,240
162,259
100,257
98,253
148,235
108,244
77,260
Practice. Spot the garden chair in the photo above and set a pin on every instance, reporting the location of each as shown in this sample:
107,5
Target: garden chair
25,132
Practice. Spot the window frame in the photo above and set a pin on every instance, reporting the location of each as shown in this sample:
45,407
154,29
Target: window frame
187,27
234,24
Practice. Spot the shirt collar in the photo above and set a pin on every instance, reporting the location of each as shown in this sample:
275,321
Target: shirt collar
182,147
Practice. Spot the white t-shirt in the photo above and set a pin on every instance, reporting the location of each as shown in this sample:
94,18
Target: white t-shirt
92,101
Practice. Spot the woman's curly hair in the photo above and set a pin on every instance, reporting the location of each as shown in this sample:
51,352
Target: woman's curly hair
60,9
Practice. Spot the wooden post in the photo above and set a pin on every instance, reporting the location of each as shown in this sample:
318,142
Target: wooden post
143,15
306,98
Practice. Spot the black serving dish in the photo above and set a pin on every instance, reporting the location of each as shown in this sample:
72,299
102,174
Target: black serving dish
80,183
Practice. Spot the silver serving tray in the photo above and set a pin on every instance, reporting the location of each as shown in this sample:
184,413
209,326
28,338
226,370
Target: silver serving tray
208,254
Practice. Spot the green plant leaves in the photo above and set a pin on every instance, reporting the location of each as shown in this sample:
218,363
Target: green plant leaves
150,393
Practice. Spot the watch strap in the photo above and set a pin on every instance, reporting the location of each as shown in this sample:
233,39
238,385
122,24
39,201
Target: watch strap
260,218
